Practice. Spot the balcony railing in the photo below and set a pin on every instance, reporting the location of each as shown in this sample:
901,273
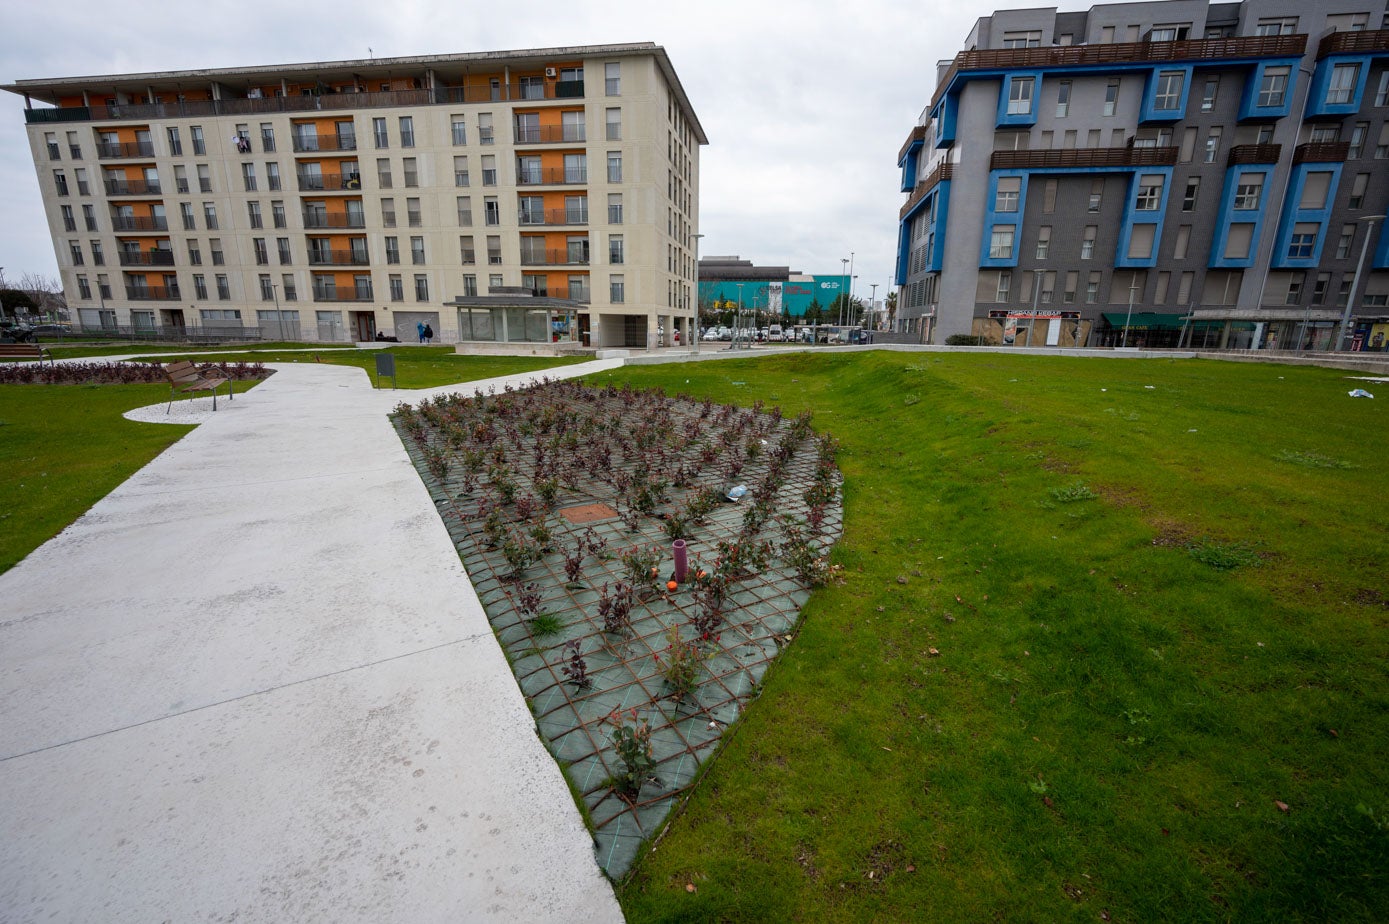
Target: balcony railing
1249,46
1084,157
554,257
554,217
549,134
1253,154
550,176
334,220
304,143
148,258
943,171
574,293
329,182
351,295
917,136
152,293
329,102
108,150
140,223
1365,41
132,188
338,258
1322,152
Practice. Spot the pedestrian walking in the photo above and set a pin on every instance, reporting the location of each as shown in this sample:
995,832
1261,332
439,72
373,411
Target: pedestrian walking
419,329
429,333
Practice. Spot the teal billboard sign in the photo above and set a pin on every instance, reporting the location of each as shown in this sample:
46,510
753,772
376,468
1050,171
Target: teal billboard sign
782,297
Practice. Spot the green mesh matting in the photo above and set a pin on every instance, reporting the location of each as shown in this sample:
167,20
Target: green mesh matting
588,444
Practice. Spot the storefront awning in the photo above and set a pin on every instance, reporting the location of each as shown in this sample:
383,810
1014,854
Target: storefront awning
1153,320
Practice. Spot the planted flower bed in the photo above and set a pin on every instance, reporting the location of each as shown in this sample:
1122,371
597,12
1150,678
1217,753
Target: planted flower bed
566,504
121,373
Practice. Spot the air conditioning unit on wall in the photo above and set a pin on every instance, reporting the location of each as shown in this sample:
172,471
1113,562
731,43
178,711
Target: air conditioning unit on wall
551,72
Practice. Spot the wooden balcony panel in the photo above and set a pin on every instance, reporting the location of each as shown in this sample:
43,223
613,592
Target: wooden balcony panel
148,258
1084,157
943,171
1332,152
917,136
1253,154
1367,41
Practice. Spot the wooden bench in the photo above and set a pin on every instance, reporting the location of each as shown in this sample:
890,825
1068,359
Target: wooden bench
186,377
25,351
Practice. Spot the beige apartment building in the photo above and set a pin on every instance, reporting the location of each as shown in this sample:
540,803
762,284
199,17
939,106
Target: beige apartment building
512,196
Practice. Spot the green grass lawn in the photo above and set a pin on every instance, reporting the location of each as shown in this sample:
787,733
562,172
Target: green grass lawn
63,448
1113,716
416,366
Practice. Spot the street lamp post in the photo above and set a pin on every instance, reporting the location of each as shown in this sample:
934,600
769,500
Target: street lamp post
695,334
1133,287
737,318
873,307
275,290
1341,344
844,271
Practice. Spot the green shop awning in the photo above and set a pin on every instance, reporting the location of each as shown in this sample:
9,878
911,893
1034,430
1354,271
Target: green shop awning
1152,320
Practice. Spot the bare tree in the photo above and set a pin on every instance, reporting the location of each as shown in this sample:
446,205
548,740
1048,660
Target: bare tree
47,293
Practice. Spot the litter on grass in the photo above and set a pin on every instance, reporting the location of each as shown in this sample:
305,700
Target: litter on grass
1360,393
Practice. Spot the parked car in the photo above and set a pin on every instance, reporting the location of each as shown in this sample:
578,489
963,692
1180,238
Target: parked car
725,333
711,333
774,332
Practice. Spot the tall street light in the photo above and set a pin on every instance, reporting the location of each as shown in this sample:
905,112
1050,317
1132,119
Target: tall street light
695,334
843,289
274,288
1133,287
873,307
1369,220
737,318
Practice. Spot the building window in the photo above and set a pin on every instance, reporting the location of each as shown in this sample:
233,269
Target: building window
466,254
1004,288
614,166
421,287
223,287
460,171
1303,240
1096,195
615,249
617,290
409,166
489,170
465,211
1238,239
1382,94
1347,239
253,214
612,78
195,255
1063,99
267,289
1022,39
1149,192
248,177
261,254
277,214
1092,289
1193,190
459,129
1043,242
1248,191
1020,95
1208,94
383,172
1286,25
200,286
1357,139
1357,191
492,211
1212,144
1068,294
484,128
1382,146
397,287
412,213
210,216
267,137
84,288
60,181
613,121
1342,86
1001,242
98,258
614,208
469,285
1169,91
291,293
1087,243
1006,196
494,250
417,251
1273,86
69,220
282,246
1111,96
75,249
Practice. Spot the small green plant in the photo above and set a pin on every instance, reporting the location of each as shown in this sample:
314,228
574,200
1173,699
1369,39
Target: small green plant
437,461
548,489
546,625
632,741
676,526
1072,493
520,552
681,665
575,667
639,566
909,400
616,609
542,534
1224,556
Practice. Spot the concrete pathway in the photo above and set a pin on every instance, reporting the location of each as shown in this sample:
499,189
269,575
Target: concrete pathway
254,683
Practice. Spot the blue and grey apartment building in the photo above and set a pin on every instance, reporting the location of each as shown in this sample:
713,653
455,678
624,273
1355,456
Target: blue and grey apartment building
1154,174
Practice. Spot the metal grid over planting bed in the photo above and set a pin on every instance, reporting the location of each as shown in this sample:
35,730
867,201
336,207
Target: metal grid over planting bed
565,503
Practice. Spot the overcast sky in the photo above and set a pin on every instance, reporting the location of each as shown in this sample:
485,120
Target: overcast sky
805,104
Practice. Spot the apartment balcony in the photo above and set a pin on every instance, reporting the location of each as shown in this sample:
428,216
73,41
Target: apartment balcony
306,143
148,258
140,223
943,171
338,258
1245,46
554,217
329,182
560,89
328,102
334,220
114,150
1254,154
918,136
133,188
556,257
1333,152
1367,41
551,134
573,293
551,176
1084,157
351,295
152,293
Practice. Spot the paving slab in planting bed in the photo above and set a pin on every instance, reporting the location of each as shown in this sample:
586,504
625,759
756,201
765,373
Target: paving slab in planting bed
565,503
